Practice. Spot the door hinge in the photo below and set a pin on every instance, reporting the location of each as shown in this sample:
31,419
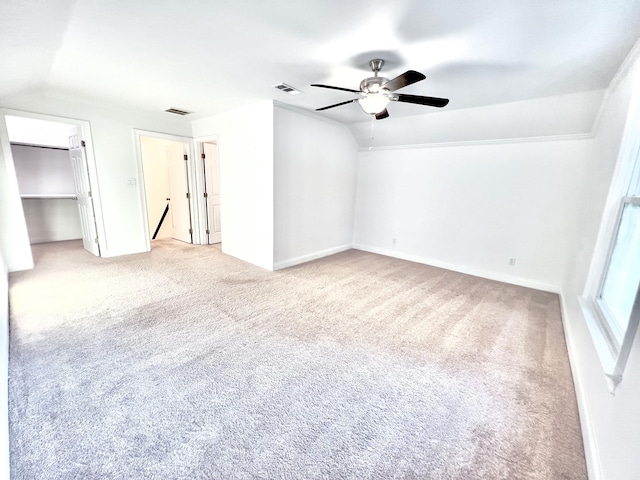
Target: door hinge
82,144
96,239
89,193
191,231
203,156
206,194
208,231
186,157
188,196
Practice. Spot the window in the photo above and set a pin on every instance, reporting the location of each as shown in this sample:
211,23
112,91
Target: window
617,298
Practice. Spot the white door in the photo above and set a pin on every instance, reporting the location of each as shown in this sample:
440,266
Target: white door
180,203
83,191
211,167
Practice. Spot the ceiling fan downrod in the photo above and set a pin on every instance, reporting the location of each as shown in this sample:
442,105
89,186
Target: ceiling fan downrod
376,65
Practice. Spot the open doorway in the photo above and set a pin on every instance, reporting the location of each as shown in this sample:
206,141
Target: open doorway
167,186
55,174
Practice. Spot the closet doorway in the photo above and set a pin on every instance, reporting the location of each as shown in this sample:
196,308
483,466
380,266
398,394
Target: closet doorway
53,168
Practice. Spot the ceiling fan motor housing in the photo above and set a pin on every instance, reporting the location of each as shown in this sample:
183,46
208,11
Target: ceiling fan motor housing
373,85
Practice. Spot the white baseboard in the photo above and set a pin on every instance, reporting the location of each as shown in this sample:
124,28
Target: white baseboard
311,256
592,458
4,372
52,238
499,277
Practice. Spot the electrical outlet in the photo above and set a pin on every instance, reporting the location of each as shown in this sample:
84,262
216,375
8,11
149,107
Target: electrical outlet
512,262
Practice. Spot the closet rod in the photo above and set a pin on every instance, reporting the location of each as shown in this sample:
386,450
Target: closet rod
36,196
20,144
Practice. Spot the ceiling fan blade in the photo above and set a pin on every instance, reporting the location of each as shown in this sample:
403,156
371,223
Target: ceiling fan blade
336,105
420,100
382,115
407,78
335,88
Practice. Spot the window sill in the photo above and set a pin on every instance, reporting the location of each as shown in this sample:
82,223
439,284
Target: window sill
608,359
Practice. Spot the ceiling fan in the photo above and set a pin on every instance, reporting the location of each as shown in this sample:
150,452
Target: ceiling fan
376,92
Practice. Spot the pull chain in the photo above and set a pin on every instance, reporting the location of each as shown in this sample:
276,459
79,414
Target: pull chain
373,121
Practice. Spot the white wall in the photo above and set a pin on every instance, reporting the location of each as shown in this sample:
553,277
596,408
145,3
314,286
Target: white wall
38,132
14,239
43,170
314,187
540,117
117,172
245,149
52,220
611,423
472,208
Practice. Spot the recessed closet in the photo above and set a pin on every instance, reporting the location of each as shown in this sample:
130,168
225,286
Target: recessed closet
45,178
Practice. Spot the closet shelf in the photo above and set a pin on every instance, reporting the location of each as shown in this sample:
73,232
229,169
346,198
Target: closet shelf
70,196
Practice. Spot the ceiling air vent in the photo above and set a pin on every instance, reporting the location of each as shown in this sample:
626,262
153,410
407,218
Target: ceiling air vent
177,111
287,89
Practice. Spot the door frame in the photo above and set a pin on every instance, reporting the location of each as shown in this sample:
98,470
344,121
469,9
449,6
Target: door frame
202,179
212,138
193,185
85,129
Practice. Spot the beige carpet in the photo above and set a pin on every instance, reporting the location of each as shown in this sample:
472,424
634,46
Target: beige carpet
185,363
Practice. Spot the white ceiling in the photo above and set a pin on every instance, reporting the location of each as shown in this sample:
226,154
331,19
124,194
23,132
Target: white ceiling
211,56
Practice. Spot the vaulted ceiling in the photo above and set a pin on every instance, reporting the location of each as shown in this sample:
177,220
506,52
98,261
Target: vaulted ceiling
211,56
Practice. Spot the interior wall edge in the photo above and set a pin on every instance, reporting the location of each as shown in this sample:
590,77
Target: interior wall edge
499,277
311,256
14,238
625,69
315,116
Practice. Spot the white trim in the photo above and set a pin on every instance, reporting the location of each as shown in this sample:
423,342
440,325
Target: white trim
470,143
499,277
311,256
592,457
48,239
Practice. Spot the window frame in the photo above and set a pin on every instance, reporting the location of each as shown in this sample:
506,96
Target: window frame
612,345
618,342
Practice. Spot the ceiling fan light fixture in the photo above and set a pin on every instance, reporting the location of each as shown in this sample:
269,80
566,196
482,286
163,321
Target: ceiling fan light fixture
376,92
374,103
